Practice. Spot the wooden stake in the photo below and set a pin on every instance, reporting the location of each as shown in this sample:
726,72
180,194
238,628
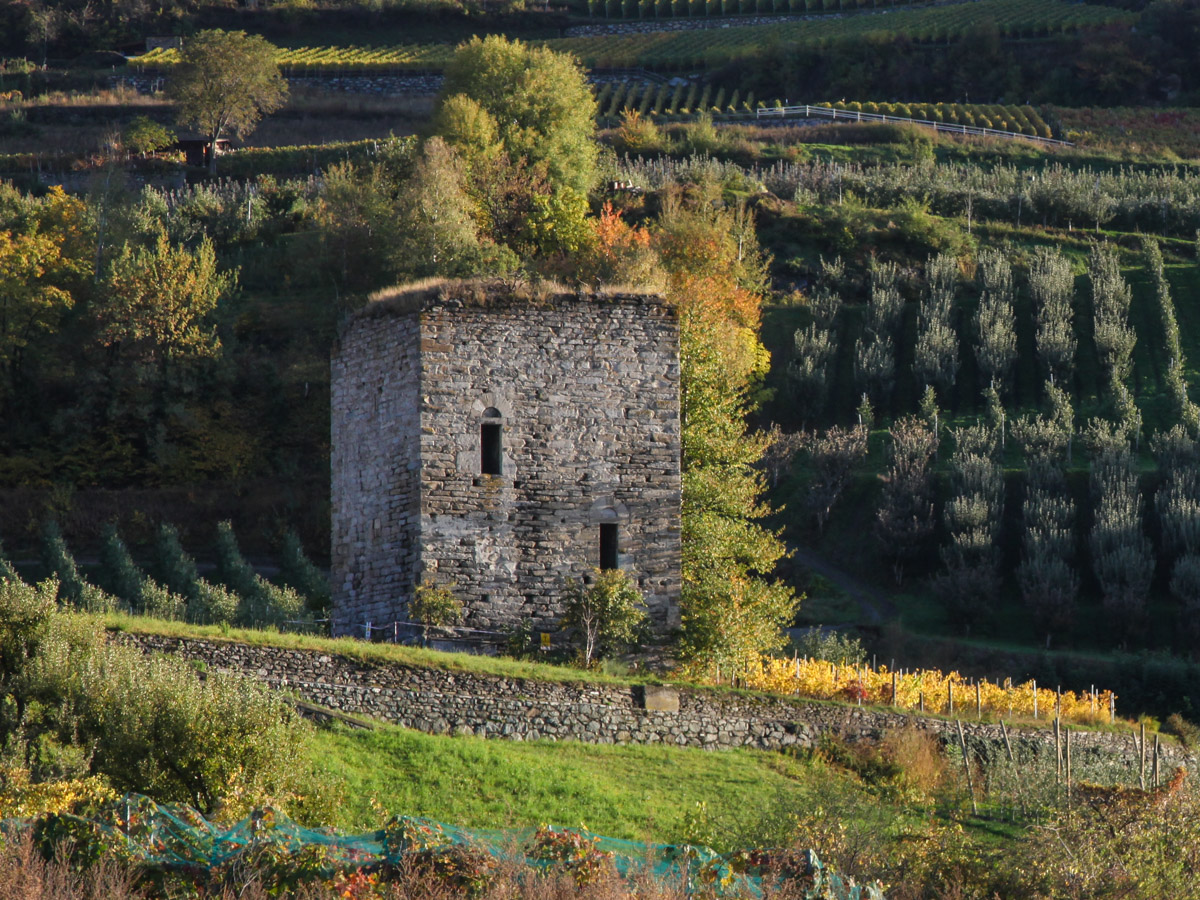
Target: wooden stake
1058,759
1007,745
1068,769
1034,700
922,702
1156,760
978,701
950,695
962,742
1142,751
893,688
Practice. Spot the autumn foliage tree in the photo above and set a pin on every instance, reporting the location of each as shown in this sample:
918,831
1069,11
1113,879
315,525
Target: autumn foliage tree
158,306
731,611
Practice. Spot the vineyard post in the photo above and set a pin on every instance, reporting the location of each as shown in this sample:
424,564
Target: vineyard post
1058,760
1142,753
1034,683
1112,709
922,702
978,700
1058,701
1156,760
962,742
950,694
893,687
1007,744
1068,772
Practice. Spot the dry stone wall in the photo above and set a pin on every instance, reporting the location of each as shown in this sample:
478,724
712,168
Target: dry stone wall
584,392
443,701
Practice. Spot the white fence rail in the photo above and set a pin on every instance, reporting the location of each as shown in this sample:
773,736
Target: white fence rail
781,112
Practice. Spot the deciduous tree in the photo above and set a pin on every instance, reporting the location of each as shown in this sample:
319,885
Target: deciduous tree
225,82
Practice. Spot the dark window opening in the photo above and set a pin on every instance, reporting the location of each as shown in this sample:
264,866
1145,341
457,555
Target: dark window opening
490,461
608,547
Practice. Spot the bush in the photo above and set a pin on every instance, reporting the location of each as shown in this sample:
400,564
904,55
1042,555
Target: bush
161,603
297,571
223,742
434,604
261,603
7,571
59,563
212,604
119,574
605,615
831,646
1187,732
146,724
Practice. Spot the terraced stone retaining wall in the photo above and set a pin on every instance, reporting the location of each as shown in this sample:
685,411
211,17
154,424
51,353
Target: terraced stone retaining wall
442,701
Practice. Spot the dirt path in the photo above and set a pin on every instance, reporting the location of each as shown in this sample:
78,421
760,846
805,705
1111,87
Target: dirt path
875,606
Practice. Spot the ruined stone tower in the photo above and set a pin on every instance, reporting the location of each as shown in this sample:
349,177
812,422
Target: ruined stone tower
503,442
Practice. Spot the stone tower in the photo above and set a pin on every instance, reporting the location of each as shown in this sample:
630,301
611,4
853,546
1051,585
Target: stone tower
503,442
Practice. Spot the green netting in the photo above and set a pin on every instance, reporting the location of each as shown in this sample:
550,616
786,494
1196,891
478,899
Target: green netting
178,838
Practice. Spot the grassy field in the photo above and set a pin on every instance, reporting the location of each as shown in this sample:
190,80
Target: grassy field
637,793
371,652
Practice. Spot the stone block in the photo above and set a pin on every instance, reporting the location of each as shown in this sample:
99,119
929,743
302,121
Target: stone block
657,698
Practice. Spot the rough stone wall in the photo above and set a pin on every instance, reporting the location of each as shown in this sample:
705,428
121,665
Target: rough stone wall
443,701
588,392
585,390
374,471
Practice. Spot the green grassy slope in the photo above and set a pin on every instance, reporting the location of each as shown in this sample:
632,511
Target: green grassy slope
637,793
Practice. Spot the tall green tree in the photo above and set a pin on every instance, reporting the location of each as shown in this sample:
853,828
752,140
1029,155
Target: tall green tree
539,103
225,82
732,612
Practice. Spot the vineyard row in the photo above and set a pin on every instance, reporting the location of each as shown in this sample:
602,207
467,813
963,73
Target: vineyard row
704,47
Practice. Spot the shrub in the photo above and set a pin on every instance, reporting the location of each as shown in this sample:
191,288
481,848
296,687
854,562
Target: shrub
60,564
605,615
831,646
297,571
159,729
639,134
1187,732
7,571
161,603
434,604
261,603
119,574
212,604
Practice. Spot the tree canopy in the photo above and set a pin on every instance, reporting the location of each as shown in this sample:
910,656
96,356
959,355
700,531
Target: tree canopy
539,102
225,82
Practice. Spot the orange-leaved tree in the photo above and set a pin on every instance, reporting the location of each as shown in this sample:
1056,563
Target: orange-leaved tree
732,612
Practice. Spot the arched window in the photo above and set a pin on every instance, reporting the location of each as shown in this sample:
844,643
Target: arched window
491,456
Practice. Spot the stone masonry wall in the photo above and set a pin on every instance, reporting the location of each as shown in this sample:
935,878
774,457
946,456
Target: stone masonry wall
585,390
374,472
443,701
588,392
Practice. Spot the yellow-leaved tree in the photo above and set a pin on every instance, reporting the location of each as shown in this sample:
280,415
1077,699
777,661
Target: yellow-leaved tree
732,612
